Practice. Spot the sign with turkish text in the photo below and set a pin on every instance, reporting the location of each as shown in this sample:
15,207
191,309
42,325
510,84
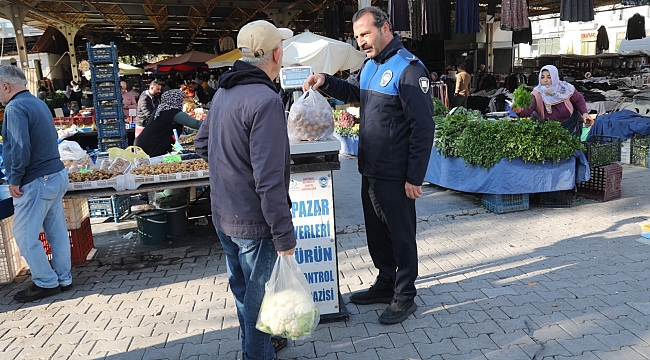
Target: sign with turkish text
312,210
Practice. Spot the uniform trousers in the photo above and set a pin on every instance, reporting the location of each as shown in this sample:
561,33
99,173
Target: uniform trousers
390,230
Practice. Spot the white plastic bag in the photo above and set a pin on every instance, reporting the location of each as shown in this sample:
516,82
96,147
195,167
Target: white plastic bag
70,150
74,157
310,118
288,309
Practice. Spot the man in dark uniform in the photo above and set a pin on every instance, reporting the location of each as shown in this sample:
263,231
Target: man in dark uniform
395,142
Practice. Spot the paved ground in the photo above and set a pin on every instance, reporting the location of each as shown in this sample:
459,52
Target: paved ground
566,283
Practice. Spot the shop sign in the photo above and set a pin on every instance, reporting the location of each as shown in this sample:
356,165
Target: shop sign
590,36
312,210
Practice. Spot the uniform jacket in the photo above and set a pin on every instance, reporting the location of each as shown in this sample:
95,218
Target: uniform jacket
396,129
246,146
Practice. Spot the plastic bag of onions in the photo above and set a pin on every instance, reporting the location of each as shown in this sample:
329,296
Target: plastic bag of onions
310,118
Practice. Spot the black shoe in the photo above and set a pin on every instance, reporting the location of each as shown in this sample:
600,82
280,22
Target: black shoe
372,296
66,288
278,343
397,311
34,292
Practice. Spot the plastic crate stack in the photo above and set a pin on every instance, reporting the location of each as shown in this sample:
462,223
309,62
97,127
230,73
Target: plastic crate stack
114,206
505,203
600,150
639,150
107,97
603,154
77,219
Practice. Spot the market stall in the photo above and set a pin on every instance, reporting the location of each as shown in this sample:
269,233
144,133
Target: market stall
311,192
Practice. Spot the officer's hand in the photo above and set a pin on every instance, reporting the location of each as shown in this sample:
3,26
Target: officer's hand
413,191
314,82
287,252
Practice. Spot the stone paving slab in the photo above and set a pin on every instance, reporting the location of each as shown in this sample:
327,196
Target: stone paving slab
574,280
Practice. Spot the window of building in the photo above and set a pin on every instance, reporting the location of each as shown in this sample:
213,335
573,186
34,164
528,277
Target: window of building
549,46
588,48
619,37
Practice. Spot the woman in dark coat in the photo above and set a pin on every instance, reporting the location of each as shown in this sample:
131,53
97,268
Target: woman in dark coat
157,137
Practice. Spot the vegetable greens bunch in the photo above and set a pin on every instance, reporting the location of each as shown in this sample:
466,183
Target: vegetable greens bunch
485,142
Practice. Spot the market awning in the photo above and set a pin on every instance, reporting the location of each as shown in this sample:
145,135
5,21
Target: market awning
321,53
126,69
226,59
188,62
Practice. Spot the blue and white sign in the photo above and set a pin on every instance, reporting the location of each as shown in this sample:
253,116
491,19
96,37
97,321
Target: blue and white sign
312,209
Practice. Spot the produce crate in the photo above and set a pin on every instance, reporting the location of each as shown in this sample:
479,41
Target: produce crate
113,129
107,143
114,206
11,263
109,109
102,55
562,198
106,92
76,211
103,73
603,150
505,203
626,151
604,184
639,149
81,243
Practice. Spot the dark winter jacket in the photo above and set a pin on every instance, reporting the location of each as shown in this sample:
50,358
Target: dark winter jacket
246,144
396,130
146,108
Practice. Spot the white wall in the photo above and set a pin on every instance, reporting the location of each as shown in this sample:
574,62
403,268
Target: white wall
571,34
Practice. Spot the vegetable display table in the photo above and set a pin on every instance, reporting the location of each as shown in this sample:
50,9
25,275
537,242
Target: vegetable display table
349,145
507,177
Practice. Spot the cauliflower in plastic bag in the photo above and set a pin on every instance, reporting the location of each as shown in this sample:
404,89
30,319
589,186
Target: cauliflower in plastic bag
310,118
288,309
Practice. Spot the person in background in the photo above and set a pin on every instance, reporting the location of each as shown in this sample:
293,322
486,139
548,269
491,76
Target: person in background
37,182
395,142
157,137
128,101
476,79
463,83
42,93
164,86
557,100
247,148
213,83
135,91
147,105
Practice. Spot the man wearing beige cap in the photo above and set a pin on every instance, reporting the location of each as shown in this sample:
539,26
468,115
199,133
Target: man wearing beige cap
247,148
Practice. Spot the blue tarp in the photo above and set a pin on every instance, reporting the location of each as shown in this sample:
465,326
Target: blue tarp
507,177
623,124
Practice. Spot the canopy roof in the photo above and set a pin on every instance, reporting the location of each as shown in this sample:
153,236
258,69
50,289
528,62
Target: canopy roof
226,59
189,62
177,26
323,54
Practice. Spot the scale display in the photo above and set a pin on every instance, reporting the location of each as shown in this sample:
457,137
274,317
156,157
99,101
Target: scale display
294,76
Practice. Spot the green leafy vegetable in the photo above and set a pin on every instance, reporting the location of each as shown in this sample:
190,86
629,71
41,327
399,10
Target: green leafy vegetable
522,97
485,142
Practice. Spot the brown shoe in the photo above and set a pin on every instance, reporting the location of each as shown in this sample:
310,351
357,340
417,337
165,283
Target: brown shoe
34,292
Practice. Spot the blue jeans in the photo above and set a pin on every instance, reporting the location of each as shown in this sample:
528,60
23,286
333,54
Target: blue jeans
41,205
249,263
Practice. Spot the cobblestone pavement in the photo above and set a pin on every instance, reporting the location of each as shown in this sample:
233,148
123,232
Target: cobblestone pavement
547,283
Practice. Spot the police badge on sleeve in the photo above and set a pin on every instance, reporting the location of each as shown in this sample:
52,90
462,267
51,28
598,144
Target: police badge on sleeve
424,84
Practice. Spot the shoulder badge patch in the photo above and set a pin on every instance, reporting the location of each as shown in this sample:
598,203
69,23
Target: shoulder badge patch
385,78
424,84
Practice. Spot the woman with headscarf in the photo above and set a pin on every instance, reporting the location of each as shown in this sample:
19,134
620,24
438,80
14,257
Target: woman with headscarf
157,137
557,100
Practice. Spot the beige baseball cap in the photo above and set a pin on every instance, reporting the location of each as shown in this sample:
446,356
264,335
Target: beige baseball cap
261,36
